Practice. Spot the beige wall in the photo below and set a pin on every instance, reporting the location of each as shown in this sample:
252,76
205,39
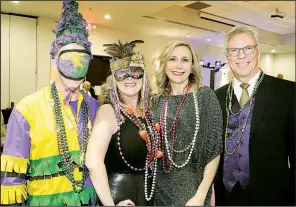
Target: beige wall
18,59
273,64
5,102
44,37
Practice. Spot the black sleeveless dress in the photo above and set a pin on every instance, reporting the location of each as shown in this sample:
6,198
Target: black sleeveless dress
124,182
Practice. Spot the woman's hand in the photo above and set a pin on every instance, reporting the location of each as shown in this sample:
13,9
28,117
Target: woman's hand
127,202
196,201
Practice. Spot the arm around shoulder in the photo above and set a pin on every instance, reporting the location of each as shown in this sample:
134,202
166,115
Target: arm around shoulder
105,126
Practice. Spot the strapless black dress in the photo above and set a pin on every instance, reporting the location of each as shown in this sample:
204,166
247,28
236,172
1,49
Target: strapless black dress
124,182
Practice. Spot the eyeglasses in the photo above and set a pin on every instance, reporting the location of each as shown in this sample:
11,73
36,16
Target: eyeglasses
122,74
248,50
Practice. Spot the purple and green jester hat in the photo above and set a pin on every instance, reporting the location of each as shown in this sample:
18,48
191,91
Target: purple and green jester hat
72,64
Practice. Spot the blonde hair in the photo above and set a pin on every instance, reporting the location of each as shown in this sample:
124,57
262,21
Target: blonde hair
104,97
162,81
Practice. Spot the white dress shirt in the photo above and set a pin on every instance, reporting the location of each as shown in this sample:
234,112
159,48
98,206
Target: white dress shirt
238,90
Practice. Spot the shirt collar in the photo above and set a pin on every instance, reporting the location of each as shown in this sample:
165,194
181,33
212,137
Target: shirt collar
252,81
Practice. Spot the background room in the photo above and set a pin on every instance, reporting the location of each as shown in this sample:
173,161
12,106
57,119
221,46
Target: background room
26,36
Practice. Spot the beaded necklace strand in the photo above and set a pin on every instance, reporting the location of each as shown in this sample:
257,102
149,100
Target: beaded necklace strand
67,162
190,146
150,135
228,110
166,146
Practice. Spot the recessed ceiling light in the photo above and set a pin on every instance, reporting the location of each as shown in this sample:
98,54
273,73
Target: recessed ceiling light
188,35
273,50
208,39
15,2
107,16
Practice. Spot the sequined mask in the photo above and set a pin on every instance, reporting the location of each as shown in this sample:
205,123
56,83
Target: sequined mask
124,73
73,64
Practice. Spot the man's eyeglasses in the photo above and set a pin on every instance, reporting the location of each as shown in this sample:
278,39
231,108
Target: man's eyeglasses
248,50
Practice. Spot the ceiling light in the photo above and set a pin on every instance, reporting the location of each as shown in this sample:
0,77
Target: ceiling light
208,39
273,50
188,35
107,16
15,2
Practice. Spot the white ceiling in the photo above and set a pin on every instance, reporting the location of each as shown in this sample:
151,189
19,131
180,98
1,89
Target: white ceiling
257,13
174,19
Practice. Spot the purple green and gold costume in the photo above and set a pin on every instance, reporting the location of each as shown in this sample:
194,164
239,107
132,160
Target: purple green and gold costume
43,160
30,161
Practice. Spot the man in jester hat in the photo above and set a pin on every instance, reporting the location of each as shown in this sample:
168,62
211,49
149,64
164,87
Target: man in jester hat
43,160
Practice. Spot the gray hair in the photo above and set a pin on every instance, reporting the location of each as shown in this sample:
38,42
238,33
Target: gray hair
240,30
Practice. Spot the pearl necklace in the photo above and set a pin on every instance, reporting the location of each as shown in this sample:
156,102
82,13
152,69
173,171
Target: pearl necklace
119,145
148,198
192,143
183,150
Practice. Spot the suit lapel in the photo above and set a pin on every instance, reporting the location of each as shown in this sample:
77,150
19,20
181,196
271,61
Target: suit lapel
235,107
262,97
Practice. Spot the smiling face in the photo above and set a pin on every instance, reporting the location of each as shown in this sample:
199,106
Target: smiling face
179,65
243,55
129,81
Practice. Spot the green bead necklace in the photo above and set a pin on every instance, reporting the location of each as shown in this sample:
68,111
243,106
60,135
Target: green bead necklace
67,162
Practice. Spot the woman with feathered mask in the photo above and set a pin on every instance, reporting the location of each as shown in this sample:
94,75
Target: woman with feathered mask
122,151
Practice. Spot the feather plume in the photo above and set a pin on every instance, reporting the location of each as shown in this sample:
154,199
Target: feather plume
121,50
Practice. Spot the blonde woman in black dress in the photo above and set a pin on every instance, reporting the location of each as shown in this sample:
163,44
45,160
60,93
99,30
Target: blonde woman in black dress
121,154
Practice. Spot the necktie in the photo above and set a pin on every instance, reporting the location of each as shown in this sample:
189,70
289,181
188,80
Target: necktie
245,95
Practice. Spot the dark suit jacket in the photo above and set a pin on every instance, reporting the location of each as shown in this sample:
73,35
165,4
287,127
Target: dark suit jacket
272,140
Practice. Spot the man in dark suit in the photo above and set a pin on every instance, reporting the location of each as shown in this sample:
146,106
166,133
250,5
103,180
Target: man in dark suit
258,163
